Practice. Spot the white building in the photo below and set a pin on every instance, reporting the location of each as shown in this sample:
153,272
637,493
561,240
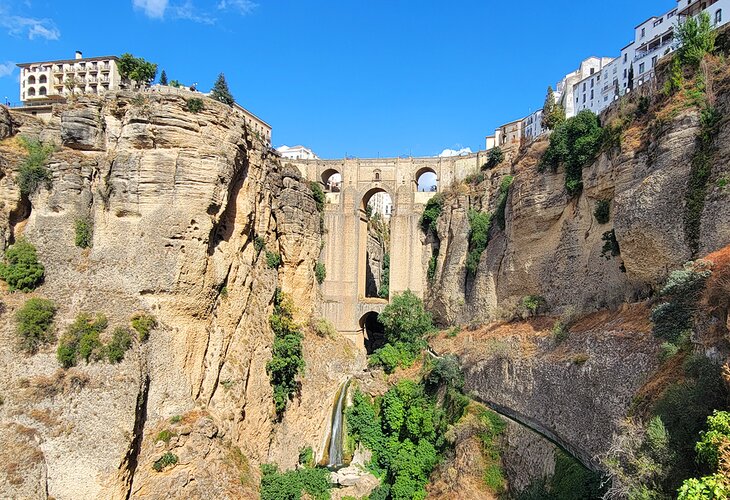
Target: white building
380,203
532,125
587,92
719,10
42,83
296,153
653,39
255,123
574,91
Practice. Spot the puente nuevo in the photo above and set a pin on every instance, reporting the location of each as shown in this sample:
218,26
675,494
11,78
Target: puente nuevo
345,224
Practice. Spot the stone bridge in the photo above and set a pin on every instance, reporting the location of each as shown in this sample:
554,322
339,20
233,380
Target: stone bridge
345,222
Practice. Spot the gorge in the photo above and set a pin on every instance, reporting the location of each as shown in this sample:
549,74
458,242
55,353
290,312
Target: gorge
239,282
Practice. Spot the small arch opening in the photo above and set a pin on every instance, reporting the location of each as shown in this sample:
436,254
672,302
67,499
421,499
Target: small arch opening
31,80
42,91
43,79
31,92
332,180
373,332
427,180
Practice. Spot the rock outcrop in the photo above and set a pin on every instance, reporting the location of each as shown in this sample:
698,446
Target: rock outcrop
176,201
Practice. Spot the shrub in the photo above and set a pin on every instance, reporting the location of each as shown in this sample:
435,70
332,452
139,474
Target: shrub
384,291
610,245
324,328
143,325
533,304
502,201
572,481
287,360
602,212
392,356
574,144
164,436
432,263
20,268
560,332
445,371
475,178
495,156
273,260
494,478
34,322
194,105
33,172
81,340
306,456
433,210
479,225
318,195
83,233
165,461
695,38
714,438
320,272
708,487
405,320
119,345
258,244
290,485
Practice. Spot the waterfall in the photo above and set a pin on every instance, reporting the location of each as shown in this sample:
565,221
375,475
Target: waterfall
336,436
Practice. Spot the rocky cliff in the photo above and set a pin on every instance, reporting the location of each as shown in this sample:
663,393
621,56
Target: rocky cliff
176,201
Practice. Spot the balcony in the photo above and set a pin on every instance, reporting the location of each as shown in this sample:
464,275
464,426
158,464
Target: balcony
105,67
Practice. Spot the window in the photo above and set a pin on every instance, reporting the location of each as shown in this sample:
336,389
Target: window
718,16
625,73
643,32
42,91
377,175
591,95
653,61
592,83
31,80
626,57
641,68
593,70
584,98
584,86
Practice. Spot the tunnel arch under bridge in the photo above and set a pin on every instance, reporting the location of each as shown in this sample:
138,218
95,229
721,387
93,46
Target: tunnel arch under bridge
344,298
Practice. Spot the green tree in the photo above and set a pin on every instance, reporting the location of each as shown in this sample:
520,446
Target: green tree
479,225
221,92
406,320
163,78
714,438
495,156
574,144
34,321
631,77
33,171
695,38
136,69
553,113
20,268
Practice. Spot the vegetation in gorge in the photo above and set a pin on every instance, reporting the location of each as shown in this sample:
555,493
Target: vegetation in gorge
320,272
495,156
502,201
287,360
479,225
83,232
574,144
433,210
569,481
143,324
406,323
165,461
405,431
293,484
34,324
20,268
713,450
82,340
384,290
34,172
602,211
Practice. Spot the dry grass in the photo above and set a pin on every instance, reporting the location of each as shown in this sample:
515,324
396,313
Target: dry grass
62,382
669,373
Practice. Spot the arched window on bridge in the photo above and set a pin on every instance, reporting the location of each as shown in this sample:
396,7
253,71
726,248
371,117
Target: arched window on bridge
374,246
372,331
426,180
332,181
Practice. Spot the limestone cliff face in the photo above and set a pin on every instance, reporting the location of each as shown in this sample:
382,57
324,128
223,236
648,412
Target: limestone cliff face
175,200
552,245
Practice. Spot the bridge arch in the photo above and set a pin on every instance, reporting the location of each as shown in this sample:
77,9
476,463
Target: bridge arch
426,180
371,256
332,180
372,331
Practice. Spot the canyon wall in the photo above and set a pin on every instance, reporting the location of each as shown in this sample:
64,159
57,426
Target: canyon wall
176,201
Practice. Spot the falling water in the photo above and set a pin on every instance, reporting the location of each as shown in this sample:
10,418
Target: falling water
336,436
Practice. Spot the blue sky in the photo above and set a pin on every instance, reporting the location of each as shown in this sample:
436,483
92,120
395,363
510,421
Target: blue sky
356,77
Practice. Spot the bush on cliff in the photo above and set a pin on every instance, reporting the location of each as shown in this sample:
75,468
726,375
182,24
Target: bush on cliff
33,172
432,212
35,320
574,144
143,325
695,38
293,484
21,269
287,360
479,225
81,340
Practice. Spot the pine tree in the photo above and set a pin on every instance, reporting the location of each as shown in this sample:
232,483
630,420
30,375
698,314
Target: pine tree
553,114
548,109
163,78
631,77
220,91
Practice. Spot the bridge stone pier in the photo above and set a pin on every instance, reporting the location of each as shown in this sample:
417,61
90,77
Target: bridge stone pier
345,240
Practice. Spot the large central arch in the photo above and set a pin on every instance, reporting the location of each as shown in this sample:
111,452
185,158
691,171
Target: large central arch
365,276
